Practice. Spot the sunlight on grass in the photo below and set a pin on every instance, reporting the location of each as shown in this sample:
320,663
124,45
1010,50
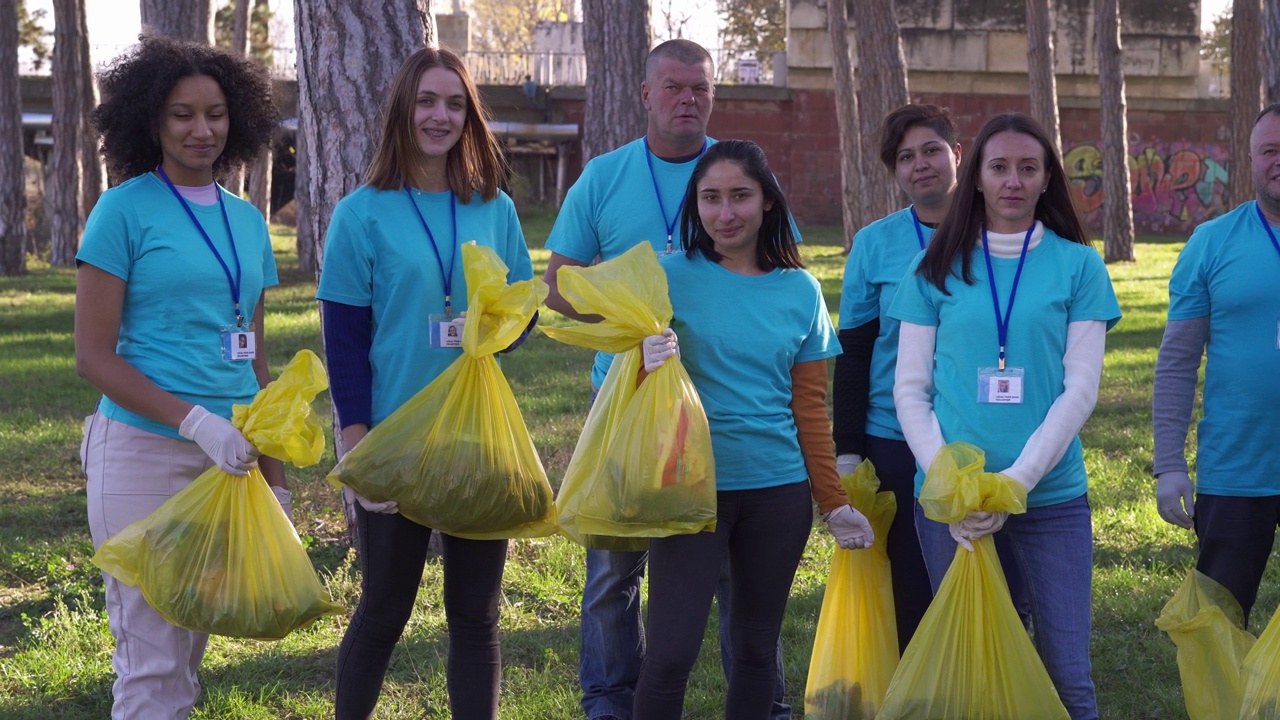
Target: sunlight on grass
54,643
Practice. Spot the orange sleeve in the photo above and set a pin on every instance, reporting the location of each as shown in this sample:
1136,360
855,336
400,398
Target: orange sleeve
813,427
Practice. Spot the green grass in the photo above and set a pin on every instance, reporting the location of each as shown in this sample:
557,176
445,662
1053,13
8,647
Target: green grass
55,646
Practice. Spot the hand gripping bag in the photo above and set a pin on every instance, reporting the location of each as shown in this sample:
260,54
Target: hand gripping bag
220,556
1260,675
855,647
1205,622
971,658
643,466
457,456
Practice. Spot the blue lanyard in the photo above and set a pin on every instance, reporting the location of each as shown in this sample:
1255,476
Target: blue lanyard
232,283
919,233
447,275
1002,323
1270,233
671,224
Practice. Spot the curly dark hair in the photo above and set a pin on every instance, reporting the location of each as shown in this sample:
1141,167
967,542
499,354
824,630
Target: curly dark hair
136,84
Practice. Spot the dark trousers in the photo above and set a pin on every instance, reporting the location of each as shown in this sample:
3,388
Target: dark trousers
393,552
1236,535
896,468
763,534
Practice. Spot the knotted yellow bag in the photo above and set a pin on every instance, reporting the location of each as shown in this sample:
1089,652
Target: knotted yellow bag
457,457
220,556
643,466
855,647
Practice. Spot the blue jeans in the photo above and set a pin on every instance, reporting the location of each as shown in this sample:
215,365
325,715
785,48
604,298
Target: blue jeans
1053,547
613,642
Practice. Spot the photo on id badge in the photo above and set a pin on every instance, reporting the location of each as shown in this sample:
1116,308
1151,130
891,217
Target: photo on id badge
1001,387
239,343
446,330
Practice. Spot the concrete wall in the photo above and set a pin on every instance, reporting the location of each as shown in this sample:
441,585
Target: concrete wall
980,46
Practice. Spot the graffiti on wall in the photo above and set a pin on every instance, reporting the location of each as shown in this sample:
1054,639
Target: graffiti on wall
1173,186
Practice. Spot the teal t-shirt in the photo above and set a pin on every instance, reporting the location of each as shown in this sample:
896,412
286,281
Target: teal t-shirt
378,255
1229,272
177,298
613,207
739,338
1062,282
882,253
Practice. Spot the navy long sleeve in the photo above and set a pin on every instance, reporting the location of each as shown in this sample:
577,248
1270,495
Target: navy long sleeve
348,338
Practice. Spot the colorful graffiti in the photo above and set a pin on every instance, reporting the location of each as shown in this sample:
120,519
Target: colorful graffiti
1173,186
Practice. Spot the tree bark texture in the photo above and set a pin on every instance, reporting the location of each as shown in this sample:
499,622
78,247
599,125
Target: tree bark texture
851,209
1271,50
92,173
185,19
234,181
615,39
1040,67
13,185
1246,94
63,193
882,76
260,185
1117,203
348,53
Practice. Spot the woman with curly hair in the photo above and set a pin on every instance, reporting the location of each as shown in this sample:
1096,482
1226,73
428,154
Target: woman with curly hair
168,322
392,270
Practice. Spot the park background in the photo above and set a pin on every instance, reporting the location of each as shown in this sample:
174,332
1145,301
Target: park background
54,643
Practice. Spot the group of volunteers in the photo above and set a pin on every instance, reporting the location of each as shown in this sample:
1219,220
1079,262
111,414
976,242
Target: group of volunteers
977,314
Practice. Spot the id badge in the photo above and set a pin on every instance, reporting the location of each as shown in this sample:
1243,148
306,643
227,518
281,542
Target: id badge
446,330
239,343
1000,387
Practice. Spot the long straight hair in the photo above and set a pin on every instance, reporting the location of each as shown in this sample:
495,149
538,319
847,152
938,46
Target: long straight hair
474,164
775,243
959,231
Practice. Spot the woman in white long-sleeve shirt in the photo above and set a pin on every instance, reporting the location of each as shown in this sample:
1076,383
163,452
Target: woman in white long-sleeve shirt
1004,320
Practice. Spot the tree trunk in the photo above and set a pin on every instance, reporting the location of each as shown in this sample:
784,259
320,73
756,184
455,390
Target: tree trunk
93,174
260,186
337,128
63,204
1117,203
615,38
846,119
13,179
882,76
1246,94
1040,67
1271,49
302,217
185,19
234,180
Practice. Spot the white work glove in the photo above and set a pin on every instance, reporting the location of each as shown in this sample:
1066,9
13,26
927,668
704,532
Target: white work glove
850,528
285,498
657,348
846,464
390,507
975,525
1176,499
220,440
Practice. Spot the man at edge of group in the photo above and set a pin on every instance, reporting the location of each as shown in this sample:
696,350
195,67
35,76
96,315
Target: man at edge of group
623,198
1223,304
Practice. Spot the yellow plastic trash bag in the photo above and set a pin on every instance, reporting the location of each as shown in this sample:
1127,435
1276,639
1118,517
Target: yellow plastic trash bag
457,457
1205,621
1261,676
643,466
220,556
971,658
855,647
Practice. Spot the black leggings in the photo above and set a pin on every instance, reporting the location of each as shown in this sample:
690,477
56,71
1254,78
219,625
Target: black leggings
763,533
393,551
